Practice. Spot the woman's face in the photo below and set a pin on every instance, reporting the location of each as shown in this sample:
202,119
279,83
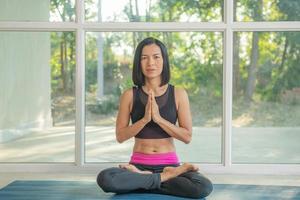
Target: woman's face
151,61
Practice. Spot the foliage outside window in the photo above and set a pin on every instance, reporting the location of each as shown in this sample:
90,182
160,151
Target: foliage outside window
267,10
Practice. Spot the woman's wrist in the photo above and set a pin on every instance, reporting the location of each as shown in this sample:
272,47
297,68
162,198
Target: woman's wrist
144,121
158,120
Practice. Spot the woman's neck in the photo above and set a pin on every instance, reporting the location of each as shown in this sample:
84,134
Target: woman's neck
152,84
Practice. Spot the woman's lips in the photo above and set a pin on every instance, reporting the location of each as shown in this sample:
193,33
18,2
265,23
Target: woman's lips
150,70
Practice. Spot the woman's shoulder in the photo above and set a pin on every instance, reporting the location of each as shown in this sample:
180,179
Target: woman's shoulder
179,91
180,96
127,93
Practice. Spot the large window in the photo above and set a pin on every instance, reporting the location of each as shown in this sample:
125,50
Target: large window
196,65
267,10
153,11
266,100
64,64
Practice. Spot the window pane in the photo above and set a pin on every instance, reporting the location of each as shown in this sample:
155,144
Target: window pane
37,101
266,103
153,11
267,10
196,65
37,10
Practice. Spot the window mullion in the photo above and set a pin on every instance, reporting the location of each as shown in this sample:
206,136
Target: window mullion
227,85
80,86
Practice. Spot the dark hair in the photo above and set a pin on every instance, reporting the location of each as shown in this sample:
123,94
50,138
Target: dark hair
137,74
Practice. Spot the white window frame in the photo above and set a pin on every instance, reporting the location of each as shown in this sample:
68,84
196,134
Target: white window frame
228,27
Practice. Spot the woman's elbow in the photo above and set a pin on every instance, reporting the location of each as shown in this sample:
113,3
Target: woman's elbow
188,138
119,138
187,141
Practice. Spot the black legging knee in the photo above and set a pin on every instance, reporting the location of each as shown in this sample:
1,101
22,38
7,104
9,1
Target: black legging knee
190,184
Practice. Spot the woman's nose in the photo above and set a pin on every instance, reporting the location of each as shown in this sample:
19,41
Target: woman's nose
151,61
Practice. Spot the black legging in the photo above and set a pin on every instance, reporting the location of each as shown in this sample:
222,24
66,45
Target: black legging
189,184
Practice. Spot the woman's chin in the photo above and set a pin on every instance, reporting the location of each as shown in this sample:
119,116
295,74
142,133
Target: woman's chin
152,76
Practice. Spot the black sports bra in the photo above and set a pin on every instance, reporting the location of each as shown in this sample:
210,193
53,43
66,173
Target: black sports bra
167,109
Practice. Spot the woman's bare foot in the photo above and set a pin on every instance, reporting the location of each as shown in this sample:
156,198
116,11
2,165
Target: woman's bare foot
172,172
132,168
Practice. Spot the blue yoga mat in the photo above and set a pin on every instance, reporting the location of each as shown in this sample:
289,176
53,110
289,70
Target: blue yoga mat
85,190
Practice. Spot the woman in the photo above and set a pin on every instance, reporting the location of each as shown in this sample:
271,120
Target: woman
154,106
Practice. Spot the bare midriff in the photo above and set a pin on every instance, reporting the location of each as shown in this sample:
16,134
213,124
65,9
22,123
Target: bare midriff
153,146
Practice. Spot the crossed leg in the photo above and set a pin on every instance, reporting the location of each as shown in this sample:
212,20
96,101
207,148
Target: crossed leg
168,172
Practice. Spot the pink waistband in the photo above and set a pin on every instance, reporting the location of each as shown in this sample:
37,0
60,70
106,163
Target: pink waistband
154,159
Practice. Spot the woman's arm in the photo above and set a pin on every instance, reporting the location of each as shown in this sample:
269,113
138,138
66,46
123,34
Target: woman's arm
184,131
123,130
